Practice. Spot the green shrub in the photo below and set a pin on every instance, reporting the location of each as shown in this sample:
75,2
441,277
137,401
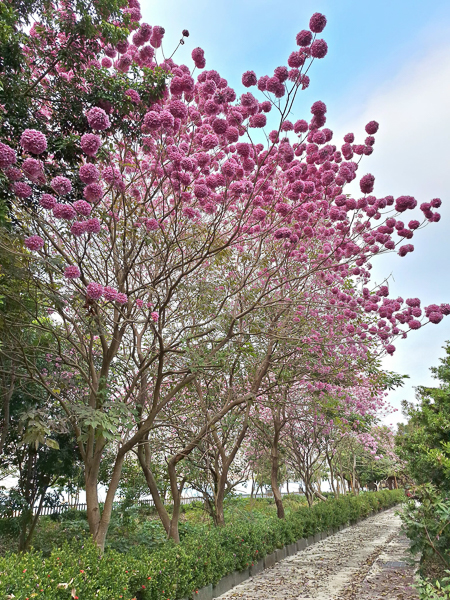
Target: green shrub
173,571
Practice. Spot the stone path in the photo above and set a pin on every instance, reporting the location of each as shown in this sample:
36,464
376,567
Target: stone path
362,562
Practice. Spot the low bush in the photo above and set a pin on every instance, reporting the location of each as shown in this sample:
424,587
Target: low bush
173,571
426,522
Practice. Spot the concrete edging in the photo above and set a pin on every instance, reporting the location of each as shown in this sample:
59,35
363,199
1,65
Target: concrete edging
228,582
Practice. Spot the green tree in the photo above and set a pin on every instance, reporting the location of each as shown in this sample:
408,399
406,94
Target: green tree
424,442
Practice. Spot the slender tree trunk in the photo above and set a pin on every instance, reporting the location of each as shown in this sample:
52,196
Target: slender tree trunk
274,478
176,498
144,460
353,479
26,539
91,483
6,410
103,526
332,482
319,495
218,502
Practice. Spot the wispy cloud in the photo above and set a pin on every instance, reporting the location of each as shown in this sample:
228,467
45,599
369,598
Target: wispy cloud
412,156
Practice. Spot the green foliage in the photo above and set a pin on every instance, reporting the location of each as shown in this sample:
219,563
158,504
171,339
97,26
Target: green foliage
174,571
439,590
424,442
426,519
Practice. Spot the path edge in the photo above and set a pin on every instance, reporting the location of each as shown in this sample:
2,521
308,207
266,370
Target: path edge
233,579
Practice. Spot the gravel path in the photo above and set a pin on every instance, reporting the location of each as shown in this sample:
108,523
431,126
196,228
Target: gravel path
365,561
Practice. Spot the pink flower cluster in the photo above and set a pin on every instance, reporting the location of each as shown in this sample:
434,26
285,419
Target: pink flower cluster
90,143
34,243
72,272
61,185
7,156
33,141
98,119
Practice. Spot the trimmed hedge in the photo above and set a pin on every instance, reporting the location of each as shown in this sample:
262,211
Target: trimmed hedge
176,571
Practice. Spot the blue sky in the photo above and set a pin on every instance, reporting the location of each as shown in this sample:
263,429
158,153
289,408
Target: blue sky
388,61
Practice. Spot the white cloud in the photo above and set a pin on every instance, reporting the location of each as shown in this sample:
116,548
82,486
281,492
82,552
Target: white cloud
412,156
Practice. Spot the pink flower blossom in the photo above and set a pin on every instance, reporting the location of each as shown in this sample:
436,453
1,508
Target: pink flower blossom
110,294
34,243
90,143
435,317
366,183
317,22
249,79
88,173
22,190
72,272
32,168
198,56
13,174
133,96
404,203
304,38
47,201
64,211
151,225
94,291
93,226
97,118
82,207
33,141
319,49
258,120
403,250
154,316
189,212
371,127
178,109
7,156
93,192
61,185
78,228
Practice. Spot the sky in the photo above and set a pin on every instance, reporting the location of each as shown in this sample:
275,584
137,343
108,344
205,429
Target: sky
388,61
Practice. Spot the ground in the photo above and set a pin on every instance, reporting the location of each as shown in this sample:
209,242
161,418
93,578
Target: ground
366,561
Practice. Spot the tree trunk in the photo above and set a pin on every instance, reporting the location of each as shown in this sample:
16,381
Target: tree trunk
144,460
219,496
274,478
320,495
90,482
176,498
105,519
354,490
25,538
6,411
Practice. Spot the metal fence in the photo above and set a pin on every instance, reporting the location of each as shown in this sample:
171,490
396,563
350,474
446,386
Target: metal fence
65,506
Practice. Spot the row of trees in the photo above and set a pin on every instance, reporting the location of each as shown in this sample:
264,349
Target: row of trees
178,285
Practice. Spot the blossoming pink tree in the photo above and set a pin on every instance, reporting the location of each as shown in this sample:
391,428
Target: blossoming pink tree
179,232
